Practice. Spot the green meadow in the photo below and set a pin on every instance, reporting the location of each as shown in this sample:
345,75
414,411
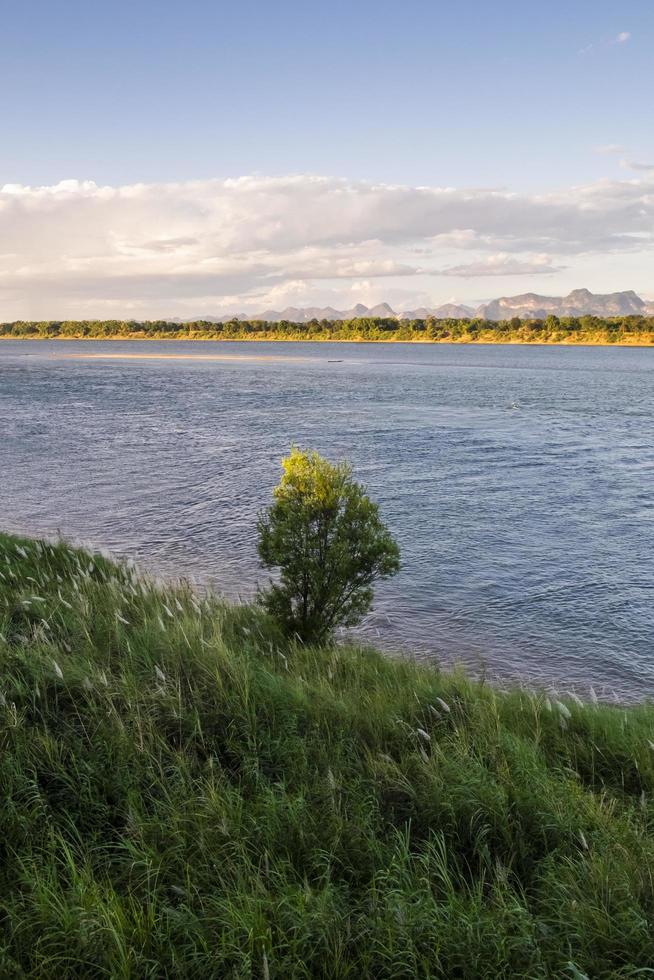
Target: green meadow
185,794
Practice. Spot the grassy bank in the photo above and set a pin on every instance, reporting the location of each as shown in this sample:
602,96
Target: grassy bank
183,796
625,330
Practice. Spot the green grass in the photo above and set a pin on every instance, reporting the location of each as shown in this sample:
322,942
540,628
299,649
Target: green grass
181,795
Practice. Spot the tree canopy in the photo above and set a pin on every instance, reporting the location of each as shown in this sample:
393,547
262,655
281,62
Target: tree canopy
326,537
577,330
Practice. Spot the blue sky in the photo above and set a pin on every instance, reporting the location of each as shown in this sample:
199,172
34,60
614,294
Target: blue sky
505,95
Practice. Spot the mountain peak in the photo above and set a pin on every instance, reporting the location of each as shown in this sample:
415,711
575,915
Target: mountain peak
381,310
579,302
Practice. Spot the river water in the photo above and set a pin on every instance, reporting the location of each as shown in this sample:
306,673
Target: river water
518,481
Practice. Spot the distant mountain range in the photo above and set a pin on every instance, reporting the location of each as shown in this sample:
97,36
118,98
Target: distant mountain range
579,302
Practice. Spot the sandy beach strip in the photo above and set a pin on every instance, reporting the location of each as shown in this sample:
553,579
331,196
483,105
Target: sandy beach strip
183,357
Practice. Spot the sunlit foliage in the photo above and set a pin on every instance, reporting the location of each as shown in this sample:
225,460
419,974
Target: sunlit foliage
325,536
567,330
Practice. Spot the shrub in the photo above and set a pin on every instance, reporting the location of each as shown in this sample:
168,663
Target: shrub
325,536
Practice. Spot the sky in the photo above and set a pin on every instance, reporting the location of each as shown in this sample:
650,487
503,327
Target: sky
183,159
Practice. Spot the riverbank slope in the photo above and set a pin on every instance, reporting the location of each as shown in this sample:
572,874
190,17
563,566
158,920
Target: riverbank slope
184,794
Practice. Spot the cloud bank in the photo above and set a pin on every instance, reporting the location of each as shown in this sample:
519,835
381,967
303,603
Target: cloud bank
77,249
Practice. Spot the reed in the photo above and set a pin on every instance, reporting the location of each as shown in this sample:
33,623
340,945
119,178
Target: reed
183,794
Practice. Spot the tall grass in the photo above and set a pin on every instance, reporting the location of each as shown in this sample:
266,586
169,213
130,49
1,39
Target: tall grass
181,795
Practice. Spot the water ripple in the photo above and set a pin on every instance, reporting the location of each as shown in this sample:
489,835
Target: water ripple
518,481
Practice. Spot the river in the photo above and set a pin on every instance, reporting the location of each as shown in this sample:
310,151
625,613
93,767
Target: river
518,481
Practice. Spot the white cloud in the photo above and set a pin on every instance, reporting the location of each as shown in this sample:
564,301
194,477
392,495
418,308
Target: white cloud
608,148
631,165
620,38
79,249
503,265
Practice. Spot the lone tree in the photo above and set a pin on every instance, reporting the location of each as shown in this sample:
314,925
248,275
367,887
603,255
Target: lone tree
326,538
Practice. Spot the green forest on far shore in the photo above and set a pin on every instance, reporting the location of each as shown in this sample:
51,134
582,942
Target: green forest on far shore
635,330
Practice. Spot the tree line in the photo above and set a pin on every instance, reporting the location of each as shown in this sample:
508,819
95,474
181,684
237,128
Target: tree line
552,329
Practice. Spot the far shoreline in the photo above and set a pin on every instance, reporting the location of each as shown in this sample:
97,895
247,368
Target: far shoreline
459,342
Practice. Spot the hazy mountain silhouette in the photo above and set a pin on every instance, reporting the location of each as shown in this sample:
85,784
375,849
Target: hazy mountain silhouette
579,302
